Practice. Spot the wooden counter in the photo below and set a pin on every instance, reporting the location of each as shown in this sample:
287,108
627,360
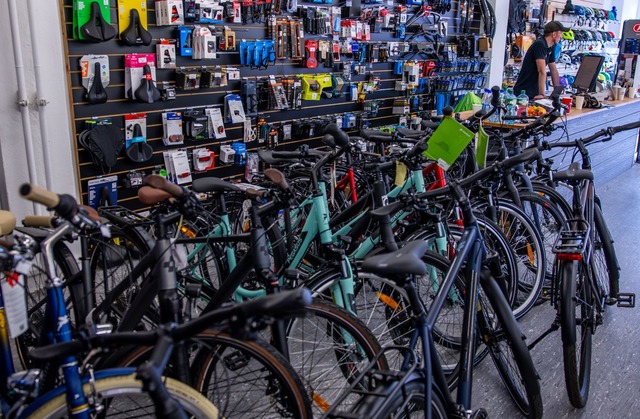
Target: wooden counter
608,159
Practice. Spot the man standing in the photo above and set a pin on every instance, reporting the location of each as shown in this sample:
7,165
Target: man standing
533,73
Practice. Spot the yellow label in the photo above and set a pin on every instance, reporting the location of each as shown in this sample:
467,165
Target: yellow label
401,173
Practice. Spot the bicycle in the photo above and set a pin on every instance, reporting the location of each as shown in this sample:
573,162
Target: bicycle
412,387
586,269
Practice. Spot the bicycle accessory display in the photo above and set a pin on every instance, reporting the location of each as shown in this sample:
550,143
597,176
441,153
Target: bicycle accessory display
166,54
196,125
184,41
135,33
96,26
233,109
95,77
169,12
103,141
147,92
203,159
215,123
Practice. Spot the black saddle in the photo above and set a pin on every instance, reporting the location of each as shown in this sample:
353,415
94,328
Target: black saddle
212,184
135,34
407,260
147,92
97,29
139,151
96,93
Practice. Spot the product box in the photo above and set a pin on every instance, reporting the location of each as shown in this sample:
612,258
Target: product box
204,44
203,159
82,14
87,70
124,13
134,71
180,166
169,12
166,55
216,124
227,154
130,121
172,128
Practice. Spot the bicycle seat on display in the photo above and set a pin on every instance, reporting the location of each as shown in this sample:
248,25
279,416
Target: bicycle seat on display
104,143
97,29
96,93
139,151
407,260
135,34
147,92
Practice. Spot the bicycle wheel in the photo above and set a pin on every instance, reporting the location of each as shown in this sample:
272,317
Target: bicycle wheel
501,334
407,403
605,262
123,396
242,378
525,241
385,309
576,322
36,293
329,348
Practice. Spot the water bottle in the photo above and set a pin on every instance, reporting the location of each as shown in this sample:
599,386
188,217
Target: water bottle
522,103
510,105
486,100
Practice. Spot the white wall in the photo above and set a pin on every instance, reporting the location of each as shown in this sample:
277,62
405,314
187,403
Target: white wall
57,118
496,69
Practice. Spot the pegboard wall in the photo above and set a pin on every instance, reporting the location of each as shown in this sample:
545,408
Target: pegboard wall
374,75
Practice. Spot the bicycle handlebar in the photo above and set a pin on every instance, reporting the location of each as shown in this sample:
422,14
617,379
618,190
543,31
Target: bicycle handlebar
40,196
282,304
65,205
38,221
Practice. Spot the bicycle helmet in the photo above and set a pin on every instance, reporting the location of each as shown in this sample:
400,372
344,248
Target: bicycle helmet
579,10
569,35
569,9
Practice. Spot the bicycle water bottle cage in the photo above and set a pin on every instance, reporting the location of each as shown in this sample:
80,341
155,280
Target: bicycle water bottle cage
97,29
139,151
147,92
135,34
96,93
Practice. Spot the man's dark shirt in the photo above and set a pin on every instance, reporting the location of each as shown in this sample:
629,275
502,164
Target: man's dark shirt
528,78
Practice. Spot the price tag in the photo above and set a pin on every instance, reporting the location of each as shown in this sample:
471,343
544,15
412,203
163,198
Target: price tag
15,305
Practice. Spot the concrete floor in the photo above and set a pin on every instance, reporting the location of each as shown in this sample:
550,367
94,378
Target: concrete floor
615,376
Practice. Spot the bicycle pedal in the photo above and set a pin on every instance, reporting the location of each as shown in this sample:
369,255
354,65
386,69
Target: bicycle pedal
480,414
626,300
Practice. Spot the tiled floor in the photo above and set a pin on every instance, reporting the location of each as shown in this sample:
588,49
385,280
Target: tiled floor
615,377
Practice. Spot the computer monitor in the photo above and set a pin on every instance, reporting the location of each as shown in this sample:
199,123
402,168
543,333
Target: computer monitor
587,74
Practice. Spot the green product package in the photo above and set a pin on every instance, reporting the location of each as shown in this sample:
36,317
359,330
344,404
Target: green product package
447,142
467,102
482,145
82,13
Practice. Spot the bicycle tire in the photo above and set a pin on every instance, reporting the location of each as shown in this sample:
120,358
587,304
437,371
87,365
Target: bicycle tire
409,402
194,404
328,348
604,257
576,325
238,376
501,334
552,194
386,311
525,241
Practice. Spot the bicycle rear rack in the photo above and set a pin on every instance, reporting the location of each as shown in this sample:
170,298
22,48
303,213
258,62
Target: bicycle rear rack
573,237
366,383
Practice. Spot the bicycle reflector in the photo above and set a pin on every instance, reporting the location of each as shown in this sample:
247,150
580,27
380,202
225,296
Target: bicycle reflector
569,256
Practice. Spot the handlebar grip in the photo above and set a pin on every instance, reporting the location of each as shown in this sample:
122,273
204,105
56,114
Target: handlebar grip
523,157
255,193
556,102
340,137
7,222
417,149
38,221
39,195
280,304
495,96
287,154
447,111
625,127
158,182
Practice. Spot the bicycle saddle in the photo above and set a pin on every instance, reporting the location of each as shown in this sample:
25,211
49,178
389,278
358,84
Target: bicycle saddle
147,92
407,260
213,184
149,196
97,29
139,151
7,222
135,34
96,93
267,157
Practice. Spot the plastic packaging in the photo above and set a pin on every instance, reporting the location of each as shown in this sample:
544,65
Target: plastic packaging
510,104
522,103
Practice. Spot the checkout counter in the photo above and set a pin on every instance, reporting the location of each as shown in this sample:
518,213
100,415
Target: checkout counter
609,159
